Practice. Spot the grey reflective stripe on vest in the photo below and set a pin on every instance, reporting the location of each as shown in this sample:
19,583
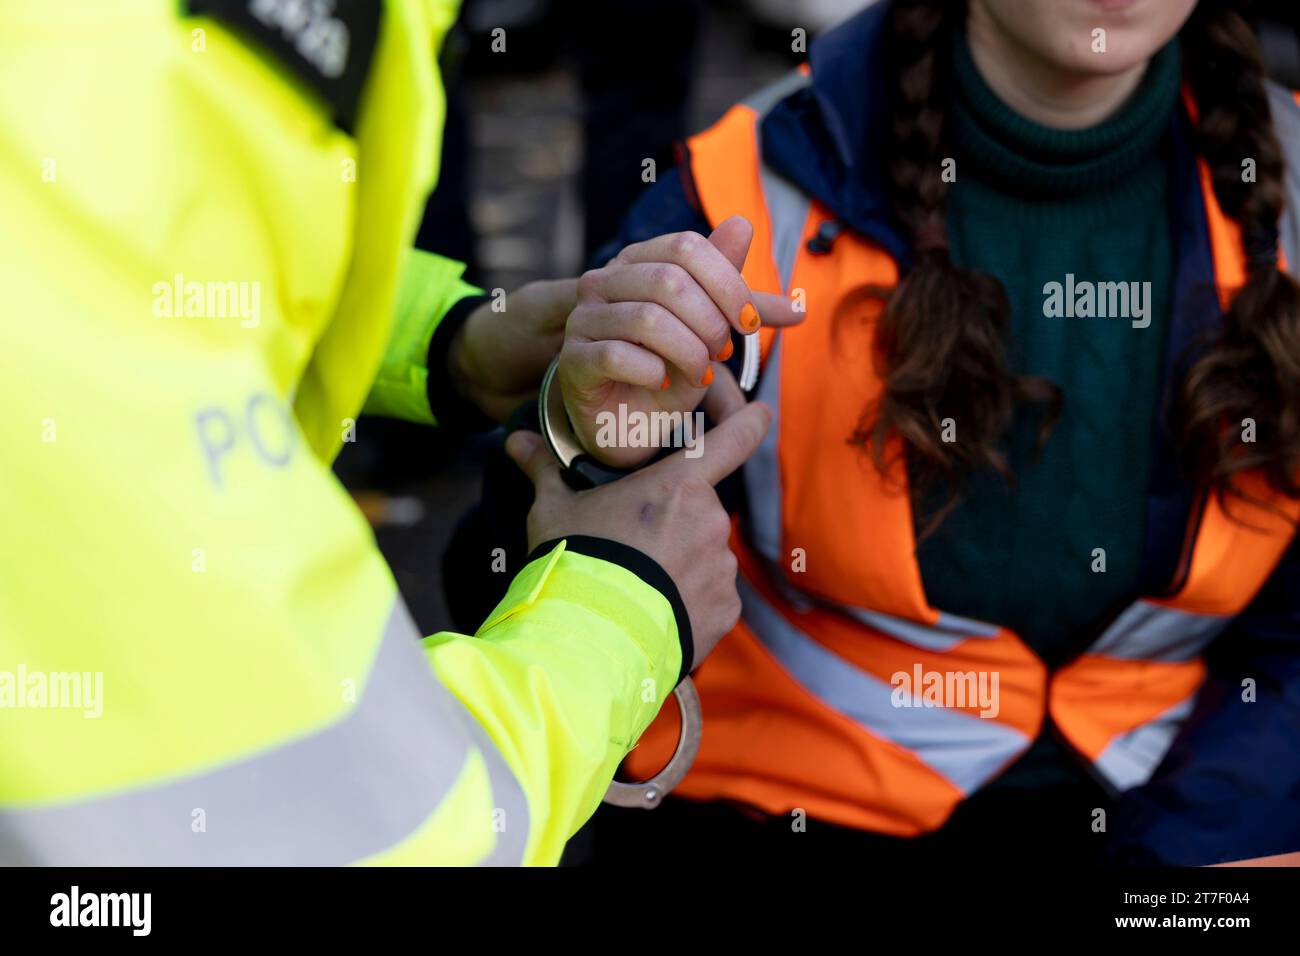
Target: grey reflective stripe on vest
787,210
1286,123
764,98
787,205
964,749
762,472
508,797
944,635
1130,759
1151,632
337,795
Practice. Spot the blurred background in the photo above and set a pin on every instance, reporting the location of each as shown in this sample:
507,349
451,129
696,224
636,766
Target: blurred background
543,152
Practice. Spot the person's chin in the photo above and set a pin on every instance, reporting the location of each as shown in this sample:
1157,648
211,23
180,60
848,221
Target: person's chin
1121,56
1114,7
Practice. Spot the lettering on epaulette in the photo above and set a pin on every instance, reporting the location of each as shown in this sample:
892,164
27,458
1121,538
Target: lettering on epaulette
329,43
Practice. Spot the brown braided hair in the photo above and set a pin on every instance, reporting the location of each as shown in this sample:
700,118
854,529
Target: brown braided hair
1252,368
940,339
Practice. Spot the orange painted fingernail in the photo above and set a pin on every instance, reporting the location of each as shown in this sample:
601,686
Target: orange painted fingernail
727,351
665,383
708,377
749,320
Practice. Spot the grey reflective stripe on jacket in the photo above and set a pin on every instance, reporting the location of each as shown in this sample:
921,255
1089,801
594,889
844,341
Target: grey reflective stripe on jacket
1151,632
1286,123
1129,760
965,749
1145,631
787,210
787,204
348,791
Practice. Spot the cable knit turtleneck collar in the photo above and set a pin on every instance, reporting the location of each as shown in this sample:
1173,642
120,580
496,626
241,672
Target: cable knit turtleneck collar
1009,151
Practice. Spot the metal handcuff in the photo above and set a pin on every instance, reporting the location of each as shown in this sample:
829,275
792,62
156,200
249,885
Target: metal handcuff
581,471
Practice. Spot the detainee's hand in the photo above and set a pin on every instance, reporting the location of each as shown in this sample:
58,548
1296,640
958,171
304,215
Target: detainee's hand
649,325
498,358
668,510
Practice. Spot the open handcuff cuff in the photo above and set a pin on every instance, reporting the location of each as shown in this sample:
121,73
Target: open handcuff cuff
581,471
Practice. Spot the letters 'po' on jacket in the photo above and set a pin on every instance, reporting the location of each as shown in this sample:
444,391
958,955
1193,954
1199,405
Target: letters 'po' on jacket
797,699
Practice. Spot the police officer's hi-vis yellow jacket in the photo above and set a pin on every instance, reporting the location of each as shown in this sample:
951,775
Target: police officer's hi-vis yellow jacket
205,214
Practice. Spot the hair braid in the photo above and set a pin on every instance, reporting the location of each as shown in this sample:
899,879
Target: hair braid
940,341
1252,368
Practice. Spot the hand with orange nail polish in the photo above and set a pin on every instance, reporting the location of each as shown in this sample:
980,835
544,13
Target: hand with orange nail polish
647,328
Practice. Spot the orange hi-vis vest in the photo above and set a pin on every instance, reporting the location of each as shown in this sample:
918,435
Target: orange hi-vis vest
842,691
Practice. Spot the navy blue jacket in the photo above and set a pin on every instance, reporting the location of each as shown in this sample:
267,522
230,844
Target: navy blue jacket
1229,788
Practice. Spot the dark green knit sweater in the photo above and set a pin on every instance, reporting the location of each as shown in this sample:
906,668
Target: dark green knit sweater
1034,206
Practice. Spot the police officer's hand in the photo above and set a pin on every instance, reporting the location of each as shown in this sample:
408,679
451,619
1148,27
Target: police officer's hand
648,326
499,356
668,510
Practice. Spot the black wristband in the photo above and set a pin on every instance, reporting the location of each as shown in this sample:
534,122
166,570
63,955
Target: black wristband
644,567
451,409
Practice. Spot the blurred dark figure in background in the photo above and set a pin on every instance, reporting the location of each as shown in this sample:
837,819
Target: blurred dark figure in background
636,62
446,227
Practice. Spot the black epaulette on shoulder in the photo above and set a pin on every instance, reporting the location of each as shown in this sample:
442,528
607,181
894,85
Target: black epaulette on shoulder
328,43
